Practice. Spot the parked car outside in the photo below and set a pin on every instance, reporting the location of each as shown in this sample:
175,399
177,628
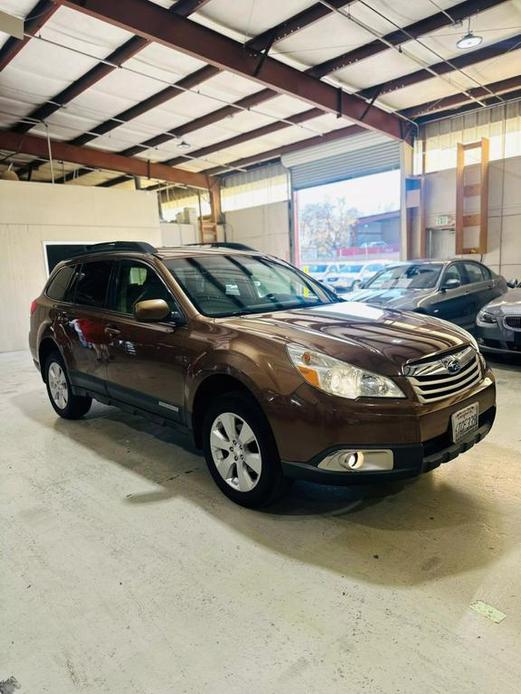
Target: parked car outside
498,325
454,290
380,245
319,271
349,276
274,377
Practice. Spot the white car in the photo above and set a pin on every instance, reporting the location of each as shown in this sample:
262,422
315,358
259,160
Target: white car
319,271
347,277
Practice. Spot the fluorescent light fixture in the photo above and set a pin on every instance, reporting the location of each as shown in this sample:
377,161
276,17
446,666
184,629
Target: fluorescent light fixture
469,40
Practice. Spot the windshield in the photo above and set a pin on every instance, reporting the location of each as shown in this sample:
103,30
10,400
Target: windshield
414,276
231,285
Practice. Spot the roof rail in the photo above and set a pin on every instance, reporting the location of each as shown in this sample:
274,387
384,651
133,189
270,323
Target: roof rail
139,246
224,244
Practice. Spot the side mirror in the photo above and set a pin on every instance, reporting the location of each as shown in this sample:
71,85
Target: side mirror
151,310
451,283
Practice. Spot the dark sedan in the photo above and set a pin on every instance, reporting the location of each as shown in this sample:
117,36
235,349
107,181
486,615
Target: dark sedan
455,290
499,324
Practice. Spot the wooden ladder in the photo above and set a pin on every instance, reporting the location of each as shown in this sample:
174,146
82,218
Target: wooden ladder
470,187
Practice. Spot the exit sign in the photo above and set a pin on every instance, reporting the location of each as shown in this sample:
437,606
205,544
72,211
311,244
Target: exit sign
444,220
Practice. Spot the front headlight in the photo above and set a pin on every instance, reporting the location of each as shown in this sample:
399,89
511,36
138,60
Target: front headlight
340,378
487,317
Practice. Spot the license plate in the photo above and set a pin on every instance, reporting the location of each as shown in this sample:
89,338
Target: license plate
464,422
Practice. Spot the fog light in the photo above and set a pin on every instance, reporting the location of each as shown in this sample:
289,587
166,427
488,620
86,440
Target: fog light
368,460
352,461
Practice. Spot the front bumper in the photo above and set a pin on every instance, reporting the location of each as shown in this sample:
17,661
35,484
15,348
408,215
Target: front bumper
496,338
410,460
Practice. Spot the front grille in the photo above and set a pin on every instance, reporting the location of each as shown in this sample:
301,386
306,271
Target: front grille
445,376
513,322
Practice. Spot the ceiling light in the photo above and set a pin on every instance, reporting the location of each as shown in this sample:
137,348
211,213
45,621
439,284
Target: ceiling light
183,145
469,40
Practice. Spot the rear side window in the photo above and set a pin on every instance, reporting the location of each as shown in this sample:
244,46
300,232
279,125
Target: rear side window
58,285
475,273
92,283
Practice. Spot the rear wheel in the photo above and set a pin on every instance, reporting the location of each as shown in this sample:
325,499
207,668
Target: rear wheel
64,402
241,453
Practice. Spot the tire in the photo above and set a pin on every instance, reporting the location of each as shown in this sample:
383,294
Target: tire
248,486
63,400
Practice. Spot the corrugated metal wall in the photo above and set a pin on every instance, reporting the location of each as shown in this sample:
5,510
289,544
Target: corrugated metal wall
360,155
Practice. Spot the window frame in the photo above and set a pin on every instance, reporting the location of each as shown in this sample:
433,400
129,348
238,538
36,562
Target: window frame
54,274
461,271
178,317
482,268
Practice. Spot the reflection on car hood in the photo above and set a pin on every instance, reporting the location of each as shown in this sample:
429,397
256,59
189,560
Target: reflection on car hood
398,297
380,340
507,303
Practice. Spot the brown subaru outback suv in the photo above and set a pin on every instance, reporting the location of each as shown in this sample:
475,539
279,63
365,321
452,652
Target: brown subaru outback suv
275,376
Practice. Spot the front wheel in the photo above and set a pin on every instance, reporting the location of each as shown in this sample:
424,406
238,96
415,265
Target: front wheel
63,400
241,453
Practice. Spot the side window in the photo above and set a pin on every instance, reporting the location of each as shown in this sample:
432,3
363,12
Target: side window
475,273
92,283
453,273
137,282
58,285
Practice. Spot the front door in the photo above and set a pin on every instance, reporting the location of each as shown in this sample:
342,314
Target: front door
147,361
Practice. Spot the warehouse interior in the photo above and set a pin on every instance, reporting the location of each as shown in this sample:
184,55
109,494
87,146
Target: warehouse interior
346,138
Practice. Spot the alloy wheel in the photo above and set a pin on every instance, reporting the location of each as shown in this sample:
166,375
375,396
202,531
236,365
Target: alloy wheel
235,451
58,385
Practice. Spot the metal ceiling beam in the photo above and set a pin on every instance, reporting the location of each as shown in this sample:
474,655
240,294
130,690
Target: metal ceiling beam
188,82
182,8
269,155
295,23
185,7
277,152
41,12
24,143
154,23
102,69
514,95
442,68
292,24
250,135
398,37
455,100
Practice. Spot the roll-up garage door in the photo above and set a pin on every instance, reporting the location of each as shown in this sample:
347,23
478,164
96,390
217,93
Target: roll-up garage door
360,155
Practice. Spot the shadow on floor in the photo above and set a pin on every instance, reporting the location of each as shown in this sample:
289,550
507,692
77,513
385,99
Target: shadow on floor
398,534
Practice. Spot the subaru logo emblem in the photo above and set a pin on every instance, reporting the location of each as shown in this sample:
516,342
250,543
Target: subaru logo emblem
453,366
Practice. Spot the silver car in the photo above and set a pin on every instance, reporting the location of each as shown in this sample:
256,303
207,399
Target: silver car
498,324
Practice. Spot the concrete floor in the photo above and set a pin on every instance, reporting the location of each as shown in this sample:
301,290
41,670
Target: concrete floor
125,570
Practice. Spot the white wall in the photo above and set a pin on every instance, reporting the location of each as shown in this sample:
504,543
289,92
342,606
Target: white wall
32,213
265,228
504,213
173,234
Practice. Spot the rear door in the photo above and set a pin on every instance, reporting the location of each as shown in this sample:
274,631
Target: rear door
81,323
147,361
480,284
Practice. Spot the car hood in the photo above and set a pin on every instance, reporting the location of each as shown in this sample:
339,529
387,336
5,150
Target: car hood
398,297
507,303
376,339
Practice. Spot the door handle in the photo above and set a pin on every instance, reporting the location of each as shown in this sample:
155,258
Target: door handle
112,332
